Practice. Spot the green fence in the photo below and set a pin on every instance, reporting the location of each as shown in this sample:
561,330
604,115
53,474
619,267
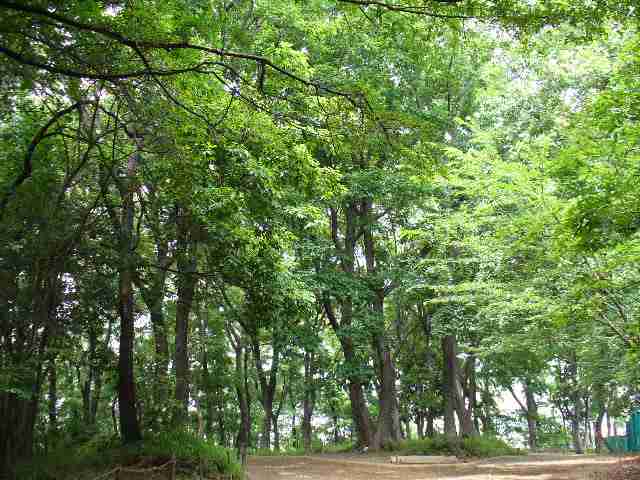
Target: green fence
616,444
631,441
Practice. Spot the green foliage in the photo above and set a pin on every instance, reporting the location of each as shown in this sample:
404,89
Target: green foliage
103,453
478,446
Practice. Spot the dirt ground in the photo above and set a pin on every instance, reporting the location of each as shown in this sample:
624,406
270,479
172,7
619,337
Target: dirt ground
369,467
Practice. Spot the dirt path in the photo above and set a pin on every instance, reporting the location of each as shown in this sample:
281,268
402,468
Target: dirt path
531,467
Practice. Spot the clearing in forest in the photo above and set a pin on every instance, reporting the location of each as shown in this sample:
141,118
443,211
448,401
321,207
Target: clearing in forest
530,467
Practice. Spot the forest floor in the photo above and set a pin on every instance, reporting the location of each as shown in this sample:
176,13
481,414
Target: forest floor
378,467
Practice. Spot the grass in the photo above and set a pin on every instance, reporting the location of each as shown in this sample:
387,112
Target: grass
478,447
101,454
481,446
316,447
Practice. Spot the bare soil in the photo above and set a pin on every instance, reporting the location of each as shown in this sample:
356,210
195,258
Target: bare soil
378,467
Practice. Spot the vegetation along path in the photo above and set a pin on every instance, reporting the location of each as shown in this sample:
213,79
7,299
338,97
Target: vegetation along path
538,467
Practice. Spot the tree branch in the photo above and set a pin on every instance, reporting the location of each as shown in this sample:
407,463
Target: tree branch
27,168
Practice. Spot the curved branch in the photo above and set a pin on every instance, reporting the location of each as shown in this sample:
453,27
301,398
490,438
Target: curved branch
27,167
136,45
398,7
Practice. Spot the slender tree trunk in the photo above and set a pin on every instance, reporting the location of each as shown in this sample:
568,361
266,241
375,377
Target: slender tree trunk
276,418
450,374
153,297
53,399
186,253
420,423
129,427
588,439
242,442
532,416
388,428
597,427
467,398
575,427
431,430
359,411
407,429
267,388
309,400
334,420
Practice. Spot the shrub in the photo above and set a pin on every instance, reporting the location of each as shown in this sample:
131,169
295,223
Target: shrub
102,453
481,446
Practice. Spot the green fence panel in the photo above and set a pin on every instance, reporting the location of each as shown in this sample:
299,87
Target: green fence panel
633,432
616,444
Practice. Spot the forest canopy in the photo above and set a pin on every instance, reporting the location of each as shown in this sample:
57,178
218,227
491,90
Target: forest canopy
291,225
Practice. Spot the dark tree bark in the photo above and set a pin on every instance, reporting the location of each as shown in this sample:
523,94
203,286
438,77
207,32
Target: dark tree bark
450,376
242,391
129,426
276,417
24,345
267,387
53,398
466,398
153,295
530,410
420,423
241,384
346,250
597,427
187,262
431,430
359,410
309,400
578,408
532,416
388,428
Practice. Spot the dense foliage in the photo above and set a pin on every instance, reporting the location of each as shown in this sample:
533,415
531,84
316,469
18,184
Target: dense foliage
273,224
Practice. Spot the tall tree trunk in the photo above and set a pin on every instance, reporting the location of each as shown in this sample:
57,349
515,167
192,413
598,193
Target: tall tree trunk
267,388
532,416
597,427
347,250
449,383
420,423
388,428
530,411
129,427
186,254
431,430
467,398
407,430
276,418
576,396
487,410
309,400
576,435
53,398
242,442
25,345
153,296
588,437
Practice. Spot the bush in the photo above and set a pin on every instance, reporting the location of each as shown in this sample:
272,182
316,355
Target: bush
103,453
482,446
190,450
342,447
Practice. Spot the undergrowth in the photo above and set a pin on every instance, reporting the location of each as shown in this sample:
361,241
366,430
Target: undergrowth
481,446
316,448
99,454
